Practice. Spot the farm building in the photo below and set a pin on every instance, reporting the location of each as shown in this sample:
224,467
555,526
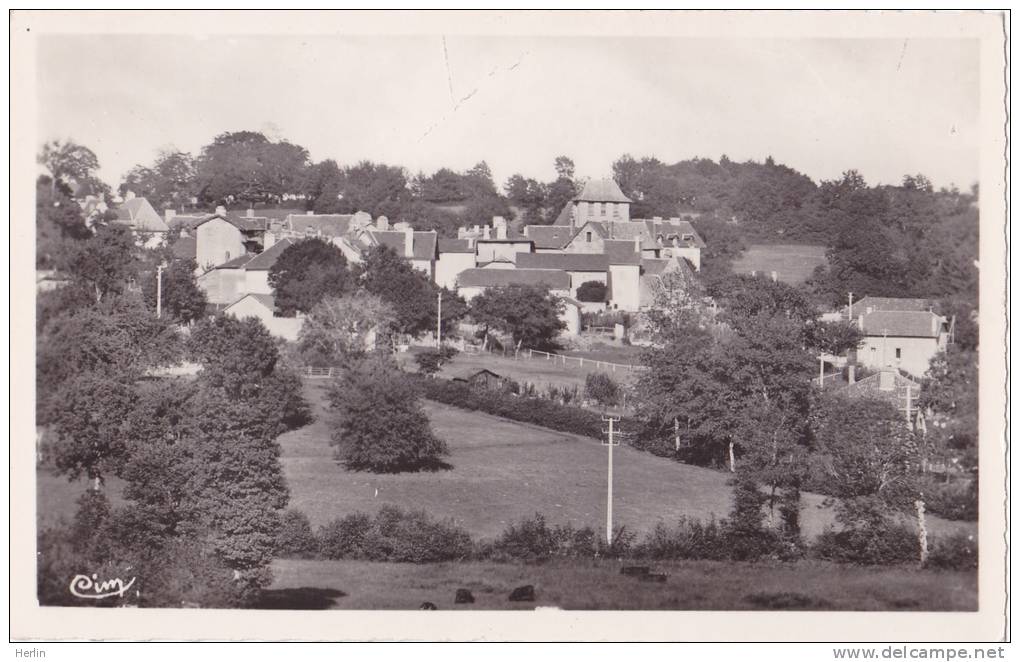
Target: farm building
484,378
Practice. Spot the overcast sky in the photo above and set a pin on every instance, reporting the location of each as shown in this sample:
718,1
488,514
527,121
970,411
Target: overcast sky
883,107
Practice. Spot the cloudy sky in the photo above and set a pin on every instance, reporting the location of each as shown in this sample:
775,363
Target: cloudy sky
884,107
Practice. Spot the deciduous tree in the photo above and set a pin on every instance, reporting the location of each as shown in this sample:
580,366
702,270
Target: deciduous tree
307,272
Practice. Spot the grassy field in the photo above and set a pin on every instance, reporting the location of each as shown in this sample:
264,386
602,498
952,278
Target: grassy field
792,263
504,471
691,585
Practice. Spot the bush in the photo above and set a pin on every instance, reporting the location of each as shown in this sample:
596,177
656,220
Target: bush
592,291
533,540
296,538
956,552
689,539
883,544
601,388
956,500
394,535
431,361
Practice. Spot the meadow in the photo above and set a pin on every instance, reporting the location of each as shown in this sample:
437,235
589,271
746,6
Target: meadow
793,263
598,584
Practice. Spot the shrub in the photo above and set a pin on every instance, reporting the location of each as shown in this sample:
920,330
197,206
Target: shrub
347,538
601,388
881,544
592,291
689,539
296,538
533,540
394,535
955,552
956,500
431,361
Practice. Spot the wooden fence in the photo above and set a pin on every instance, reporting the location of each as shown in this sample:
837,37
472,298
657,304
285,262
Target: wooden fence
558,359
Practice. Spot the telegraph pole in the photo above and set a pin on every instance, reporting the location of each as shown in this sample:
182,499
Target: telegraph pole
439,319
611,441
159,291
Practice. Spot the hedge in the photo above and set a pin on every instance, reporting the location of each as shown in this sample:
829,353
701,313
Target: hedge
537,411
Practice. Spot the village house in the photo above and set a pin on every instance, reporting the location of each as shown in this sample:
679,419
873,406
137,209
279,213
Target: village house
221,238
455,257
599,200
247,274
148,228
899,333
263,308
497,242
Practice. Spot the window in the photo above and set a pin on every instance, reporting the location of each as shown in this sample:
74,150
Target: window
602,208
226,256
587,236
898,356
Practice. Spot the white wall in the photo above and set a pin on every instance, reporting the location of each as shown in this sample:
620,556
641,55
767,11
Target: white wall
223,286
424,266
626,290
449,266
491,251
282,327
915,353
571,316
579,278
217,241
257,282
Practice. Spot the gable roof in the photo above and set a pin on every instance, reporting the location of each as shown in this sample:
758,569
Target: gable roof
140,216
548,236
903,323
621,251
266,300
564,261
553,278
242,223
186,221
602,190
566,215
267,258
331,225
236,263
673,227
891,303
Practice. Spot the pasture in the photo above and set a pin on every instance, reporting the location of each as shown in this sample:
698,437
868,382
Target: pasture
792,263
503,471
690,585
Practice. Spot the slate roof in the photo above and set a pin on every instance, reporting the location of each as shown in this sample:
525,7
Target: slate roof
266,300
236,263
186,221
423,244
654,266
140,216
602,190
242,223
267,258
673,228
566,215
330,225
621,252
455,245
548,236
564,261
890,303
553,278
903,323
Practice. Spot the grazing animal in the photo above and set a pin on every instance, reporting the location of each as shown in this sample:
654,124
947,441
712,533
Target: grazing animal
523,594
463,596
428,606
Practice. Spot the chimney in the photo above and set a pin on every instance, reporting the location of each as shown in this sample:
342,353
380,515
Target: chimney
851,373
382,223
498,221
169,214
657,218
310,212
886,380
486,232
408,242
250,213
934,324
501,231
221,210
775,277
860,322
637,244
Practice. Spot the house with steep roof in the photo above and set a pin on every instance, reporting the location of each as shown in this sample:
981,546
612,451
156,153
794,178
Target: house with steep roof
599,200
222,237
903,339
673,237
144,222
243,275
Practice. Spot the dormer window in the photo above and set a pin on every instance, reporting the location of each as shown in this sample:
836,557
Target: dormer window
688,237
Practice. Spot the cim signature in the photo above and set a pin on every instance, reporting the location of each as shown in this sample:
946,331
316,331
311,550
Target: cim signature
105,589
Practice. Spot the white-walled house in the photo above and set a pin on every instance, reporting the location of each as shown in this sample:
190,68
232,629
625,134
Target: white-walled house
263,308
247,274
455,257
904,339
221,238
624,275
146,225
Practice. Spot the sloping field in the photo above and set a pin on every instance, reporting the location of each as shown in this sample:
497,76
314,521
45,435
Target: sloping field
792,263
503,471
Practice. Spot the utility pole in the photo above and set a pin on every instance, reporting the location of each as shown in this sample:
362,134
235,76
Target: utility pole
850,308
609,443
439,320
159,291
